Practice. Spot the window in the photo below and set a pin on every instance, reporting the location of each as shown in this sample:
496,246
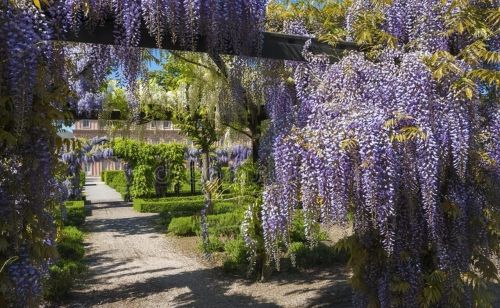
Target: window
152,124
167,125
86,124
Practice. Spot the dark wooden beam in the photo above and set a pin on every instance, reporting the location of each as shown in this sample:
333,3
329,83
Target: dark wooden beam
276,46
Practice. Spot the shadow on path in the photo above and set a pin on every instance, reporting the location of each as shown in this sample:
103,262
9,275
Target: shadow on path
131,264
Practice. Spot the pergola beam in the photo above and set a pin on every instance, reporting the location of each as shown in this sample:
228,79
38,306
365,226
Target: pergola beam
276,46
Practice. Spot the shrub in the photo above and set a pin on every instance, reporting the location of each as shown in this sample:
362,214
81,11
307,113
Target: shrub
70,250
227,224
108,176
64,272
236,253
61,278
82,179
226,207
319,255
184,226
116,179
189,205
119,183
297,232
71,234
70,244
75,213
215,244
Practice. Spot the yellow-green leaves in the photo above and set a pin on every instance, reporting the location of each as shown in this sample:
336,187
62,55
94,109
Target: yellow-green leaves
38,3
433,289
349,144
368,31
408,133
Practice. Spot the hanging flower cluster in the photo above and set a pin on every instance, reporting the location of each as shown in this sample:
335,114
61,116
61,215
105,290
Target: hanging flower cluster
224,25
238,155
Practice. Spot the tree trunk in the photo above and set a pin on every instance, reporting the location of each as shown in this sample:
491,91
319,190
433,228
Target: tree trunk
255,149
205,178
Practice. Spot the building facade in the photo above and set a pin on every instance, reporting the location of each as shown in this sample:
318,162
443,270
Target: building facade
154,132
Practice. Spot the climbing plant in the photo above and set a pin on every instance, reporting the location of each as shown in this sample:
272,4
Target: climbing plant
402,137
143,158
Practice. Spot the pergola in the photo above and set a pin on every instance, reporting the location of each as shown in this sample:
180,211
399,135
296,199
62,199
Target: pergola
276,46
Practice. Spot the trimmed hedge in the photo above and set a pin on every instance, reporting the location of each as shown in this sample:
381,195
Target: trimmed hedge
187,206
61,278
115,179
227,224
184,226
316,256
63,273
108,176
75,213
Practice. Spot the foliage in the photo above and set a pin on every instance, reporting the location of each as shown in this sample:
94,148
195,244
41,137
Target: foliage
108,177
215,244
320,255
393,136
71,234
225,224
82,180
184,226
63,273
75,213
187,204
143,158
61,279
116,180
70,250
236,256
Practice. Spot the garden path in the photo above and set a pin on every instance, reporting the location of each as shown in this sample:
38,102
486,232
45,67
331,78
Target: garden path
131,264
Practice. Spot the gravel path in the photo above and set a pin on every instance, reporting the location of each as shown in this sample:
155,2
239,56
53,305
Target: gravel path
133,265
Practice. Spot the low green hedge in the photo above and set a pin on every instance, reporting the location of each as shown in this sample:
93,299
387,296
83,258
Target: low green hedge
317,256
184,226
236,256
70,244
108,176
61,278
227,224
75,213
116,179
188,204
64,272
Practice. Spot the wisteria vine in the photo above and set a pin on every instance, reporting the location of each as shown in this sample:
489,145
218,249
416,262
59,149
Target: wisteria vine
380,143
